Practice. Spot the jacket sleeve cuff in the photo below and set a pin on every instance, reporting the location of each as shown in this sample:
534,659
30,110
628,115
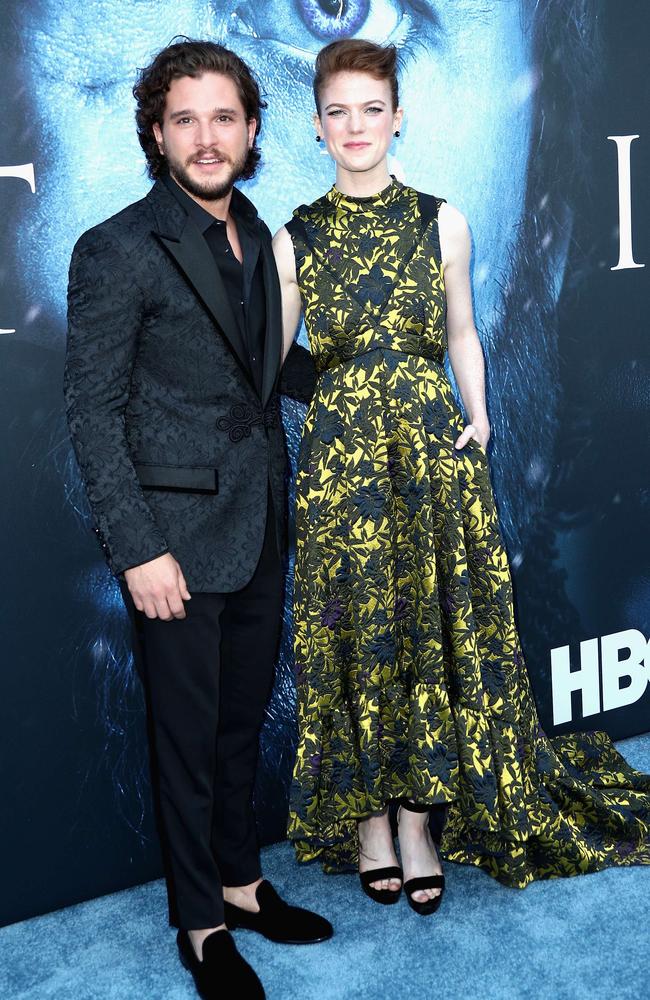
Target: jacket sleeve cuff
120,572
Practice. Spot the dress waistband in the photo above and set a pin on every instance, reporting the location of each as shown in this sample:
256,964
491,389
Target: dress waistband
372,340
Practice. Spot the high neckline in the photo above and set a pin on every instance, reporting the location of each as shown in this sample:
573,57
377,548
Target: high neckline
353,203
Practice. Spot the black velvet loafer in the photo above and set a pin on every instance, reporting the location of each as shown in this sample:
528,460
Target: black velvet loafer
223,971
277,920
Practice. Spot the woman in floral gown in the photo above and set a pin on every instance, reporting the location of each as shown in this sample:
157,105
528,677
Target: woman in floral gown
411,683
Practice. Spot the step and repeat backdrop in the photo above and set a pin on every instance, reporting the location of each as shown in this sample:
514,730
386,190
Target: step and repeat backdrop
531,117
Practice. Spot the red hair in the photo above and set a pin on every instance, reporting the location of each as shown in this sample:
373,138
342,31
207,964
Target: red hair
355,55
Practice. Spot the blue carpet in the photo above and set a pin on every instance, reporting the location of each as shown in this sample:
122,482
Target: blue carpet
567,939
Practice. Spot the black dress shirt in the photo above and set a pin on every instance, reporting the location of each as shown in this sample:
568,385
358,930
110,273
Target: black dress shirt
244,283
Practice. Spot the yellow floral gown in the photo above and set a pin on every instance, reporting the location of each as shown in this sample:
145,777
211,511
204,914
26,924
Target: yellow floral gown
410,676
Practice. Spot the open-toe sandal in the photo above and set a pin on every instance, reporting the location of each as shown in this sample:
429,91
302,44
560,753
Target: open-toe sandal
426,906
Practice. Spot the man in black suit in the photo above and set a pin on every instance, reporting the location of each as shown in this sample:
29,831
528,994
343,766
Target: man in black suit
171,382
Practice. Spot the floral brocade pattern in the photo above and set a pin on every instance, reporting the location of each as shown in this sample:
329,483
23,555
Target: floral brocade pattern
410,676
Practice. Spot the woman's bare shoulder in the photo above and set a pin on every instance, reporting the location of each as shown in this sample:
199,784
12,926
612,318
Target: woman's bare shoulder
452,221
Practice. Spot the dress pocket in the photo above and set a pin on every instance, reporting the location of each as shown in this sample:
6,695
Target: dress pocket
478,447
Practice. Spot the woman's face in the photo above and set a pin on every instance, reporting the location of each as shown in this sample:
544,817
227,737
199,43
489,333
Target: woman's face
357,121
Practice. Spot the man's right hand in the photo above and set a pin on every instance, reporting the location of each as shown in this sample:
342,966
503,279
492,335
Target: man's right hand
158,588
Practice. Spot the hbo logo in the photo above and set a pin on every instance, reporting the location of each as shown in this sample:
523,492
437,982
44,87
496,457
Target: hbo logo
621,661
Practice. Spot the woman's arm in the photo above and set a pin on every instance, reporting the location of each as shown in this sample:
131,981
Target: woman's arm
464,347
286,265
298,372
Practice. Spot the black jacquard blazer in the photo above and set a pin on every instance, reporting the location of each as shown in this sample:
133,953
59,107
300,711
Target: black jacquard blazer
174,443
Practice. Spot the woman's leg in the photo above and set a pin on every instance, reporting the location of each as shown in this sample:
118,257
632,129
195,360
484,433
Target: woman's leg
417,850
376,848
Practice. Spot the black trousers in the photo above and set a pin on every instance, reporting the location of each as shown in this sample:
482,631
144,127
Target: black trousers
207,680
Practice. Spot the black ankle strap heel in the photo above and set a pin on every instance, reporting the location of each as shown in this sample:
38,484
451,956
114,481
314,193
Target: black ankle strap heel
414,807
385,896
424,907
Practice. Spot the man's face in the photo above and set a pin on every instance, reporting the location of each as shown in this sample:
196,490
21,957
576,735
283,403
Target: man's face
204,134
467,86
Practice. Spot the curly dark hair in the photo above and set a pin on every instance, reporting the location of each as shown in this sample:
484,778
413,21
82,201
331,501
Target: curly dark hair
190,57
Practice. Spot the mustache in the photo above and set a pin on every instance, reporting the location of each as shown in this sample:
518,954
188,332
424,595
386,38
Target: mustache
209,154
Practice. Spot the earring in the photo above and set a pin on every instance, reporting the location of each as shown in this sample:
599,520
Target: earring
396,134
317,138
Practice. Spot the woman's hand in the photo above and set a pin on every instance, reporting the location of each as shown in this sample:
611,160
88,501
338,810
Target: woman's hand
479,431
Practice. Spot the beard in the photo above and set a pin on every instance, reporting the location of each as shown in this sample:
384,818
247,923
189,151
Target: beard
210,189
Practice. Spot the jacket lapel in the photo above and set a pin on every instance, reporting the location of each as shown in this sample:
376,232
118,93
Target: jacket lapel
184,242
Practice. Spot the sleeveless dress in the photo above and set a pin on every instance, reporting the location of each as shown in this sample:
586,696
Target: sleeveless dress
410,676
